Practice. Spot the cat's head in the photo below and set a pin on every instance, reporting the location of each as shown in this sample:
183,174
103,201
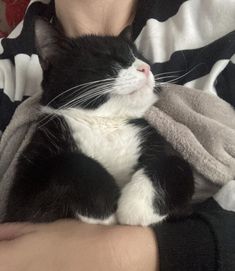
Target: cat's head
102,74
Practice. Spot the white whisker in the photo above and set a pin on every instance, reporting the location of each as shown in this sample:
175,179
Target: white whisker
82,86
166,73
180,77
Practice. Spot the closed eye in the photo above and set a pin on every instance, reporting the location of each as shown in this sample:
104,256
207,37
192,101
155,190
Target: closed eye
124,61
103,54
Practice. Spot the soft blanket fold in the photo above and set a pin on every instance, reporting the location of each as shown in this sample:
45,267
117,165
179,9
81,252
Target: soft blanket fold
201,127
13,141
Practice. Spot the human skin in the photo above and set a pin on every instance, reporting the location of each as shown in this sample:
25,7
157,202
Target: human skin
70,245
73,246
95,16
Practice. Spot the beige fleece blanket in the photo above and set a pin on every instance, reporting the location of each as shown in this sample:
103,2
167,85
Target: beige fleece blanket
200,126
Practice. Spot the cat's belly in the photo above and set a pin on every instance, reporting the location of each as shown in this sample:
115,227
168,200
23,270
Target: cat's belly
115,144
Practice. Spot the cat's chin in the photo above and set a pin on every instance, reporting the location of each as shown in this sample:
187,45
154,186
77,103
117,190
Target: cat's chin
142,90
137,103
144,96
132,105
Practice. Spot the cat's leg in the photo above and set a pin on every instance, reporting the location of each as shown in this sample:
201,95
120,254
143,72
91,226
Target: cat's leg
157,190
136,203
69,185
53,180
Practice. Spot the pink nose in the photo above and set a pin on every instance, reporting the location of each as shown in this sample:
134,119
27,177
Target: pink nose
144,68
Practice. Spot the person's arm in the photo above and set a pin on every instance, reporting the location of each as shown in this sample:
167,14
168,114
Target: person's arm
203,241
186,245
70,245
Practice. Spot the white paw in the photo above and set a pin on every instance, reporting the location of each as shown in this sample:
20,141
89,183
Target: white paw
135,206
111,220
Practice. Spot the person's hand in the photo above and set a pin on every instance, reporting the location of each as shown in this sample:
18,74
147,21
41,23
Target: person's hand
68,245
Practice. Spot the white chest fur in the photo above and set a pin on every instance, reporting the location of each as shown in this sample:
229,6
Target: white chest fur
112,142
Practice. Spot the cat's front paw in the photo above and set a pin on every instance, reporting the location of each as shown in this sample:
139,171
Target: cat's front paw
111,220
135,205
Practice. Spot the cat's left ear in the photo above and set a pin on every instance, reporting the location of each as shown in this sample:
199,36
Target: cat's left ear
50,43
127,33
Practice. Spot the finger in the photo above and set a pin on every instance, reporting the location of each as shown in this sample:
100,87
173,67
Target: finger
10,231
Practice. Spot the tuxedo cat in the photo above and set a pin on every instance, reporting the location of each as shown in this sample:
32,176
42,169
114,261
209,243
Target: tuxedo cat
92,155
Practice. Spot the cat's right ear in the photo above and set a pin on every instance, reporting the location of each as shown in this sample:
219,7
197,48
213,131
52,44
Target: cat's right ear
50,43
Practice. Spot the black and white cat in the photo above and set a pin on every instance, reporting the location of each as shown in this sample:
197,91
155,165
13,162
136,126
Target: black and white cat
92,155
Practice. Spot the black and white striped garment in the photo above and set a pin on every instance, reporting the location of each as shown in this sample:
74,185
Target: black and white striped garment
196,38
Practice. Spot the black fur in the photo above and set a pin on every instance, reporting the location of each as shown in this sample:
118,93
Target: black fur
170,174
49,185
72,62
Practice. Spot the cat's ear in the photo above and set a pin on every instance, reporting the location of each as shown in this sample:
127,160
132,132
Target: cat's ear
50,43
127,33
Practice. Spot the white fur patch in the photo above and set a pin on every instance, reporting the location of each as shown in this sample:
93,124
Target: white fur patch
108,221
135,206
111,142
